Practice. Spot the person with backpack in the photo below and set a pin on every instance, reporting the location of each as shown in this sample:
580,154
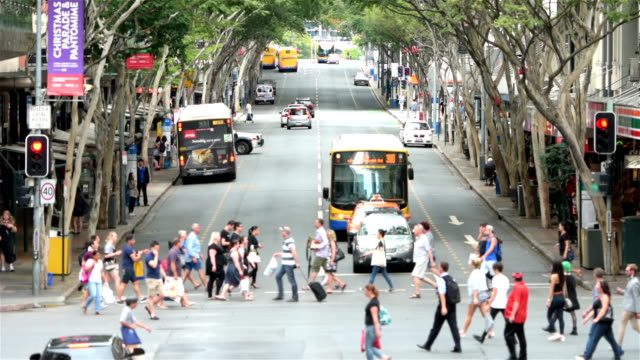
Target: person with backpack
490,255
448,296
516,315
372,324
143,180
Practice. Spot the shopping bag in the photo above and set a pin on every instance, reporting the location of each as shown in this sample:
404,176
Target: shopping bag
271,267
138,269
363,339
173,288
107,294
244,284
253,257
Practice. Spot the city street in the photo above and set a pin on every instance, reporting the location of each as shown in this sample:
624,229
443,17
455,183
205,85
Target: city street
281,184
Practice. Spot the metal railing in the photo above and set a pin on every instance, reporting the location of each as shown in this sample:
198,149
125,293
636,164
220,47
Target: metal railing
16,15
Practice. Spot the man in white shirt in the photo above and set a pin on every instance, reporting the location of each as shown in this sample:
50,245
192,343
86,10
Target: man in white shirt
423,258
322,250
249,113
288,265
498,301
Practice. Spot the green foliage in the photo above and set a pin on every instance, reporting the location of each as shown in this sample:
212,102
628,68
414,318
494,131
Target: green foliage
557,164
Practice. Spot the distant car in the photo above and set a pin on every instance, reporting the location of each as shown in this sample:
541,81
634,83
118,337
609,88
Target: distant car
375,205
86,347
308,103
298,117
416,133
245,142
333,59
398,240
361,78
284,114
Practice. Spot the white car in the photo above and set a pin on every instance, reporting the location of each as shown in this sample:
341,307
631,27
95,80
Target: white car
361,78
416,133
245,142
333,58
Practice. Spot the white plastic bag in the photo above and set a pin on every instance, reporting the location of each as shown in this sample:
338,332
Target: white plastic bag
107,294
271,267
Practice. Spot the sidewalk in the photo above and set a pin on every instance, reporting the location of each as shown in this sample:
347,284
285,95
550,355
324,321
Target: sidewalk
16,291
542,240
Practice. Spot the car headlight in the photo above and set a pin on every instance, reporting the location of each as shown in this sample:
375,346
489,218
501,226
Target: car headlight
405,247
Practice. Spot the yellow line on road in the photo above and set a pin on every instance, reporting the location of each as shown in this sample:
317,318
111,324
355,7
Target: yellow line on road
205,239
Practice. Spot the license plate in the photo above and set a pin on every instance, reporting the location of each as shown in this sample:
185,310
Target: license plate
298,123
388,257
207,173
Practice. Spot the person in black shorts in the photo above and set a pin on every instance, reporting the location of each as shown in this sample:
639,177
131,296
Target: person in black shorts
129,256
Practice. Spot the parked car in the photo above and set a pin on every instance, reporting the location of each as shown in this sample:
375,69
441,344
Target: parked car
333,59
398,241
298,117
308,103
245,142
361,78
375,205
86,347
416,133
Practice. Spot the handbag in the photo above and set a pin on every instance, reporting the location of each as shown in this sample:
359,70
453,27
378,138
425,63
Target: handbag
340,255
363,342
173,289
110,264
571,254
271,267
253,257
244,284
83,276
107,294
138,269
568,304
378,258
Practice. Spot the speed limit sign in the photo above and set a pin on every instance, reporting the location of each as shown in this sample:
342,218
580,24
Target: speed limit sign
47,191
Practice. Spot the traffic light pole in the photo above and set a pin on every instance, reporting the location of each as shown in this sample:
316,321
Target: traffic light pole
609,258
37,207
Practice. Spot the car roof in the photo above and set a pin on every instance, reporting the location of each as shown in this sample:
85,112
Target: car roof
377,204
378,216
94,340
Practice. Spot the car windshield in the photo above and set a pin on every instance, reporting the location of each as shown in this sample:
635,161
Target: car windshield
393,225
416,126
97,352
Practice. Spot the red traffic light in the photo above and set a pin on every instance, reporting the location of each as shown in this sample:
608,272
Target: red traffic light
36,146
602,124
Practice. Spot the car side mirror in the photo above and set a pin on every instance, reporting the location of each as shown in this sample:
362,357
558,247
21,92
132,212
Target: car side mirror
325,193
410,173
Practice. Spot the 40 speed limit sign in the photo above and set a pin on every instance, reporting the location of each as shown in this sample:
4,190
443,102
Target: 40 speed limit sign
47,191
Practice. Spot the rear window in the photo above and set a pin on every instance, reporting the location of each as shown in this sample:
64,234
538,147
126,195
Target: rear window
417,126
298,111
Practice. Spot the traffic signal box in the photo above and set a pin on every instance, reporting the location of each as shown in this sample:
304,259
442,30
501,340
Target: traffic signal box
604,133
36,155
24,192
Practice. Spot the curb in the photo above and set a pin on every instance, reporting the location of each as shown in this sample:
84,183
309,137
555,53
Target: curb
70,290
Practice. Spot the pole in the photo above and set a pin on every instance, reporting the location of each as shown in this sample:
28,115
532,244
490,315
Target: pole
483,129
433,96
608,262
123,168
37,208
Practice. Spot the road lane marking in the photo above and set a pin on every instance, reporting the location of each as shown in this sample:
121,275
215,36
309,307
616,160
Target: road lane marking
470,240
350,91
454,220
216,213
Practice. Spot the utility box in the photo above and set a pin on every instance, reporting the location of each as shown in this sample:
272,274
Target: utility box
630,240
592,252
59,256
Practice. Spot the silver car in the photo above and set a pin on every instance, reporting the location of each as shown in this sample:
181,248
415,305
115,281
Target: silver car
298,117
361,78
398,241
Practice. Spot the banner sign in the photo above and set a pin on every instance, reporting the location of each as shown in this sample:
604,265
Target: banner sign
140,62
65,48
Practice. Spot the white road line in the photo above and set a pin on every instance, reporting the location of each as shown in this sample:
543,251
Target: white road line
320,214
320,202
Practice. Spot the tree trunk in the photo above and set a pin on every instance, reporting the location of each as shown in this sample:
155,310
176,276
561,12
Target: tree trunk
151,112
538,137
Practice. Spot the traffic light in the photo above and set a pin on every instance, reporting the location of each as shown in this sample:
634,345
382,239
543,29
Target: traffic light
24,192
604,133
36,155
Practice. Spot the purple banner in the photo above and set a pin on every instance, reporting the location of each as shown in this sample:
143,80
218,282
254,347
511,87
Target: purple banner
65,48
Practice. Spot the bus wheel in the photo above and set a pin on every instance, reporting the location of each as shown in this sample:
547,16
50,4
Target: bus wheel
243,147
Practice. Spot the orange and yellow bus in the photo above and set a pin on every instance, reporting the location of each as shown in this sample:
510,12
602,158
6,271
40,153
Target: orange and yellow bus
269,57
322,55
288,59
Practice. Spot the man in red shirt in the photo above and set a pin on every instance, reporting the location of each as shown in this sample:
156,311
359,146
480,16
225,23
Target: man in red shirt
516,314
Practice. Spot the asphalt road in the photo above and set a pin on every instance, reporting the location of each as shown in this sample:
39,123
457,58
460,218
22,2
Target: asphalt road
280,184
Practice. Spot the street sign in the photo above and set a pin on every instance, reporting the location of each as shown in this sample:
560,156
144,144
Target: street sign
39,117
47,191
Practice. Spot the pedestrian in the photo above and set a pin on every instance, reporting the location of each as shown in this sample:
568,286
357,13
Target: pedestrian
238,227
111,267
174,272
164,146
143,180
225,236
132,189
555,302
564,243
479,295
321,248
602,314
448,296
630,301
372,323
254,245
332,264
571,296
474,254
129,256
482,238
414,108
92,245
234,272
154,280
423,259
288,264
516,314
80,209
215,264
491,250
193,257
247,267
379,260
249,113
156,152
7,230
497,302
95,267
128,325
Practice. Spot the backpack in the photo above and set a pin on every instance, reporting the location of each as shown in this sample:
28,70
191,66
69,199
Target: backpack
499,250
165,265
385,316
81,256
162,147
453,290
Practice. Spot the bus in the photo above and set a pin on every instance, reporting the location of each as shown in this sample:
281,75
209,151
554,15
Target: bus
205,142
322,55
288,59
269,57
364,165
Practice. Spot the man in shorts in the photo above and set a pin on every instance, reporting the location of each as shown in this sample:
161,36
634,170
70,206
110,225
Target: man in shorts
154,280
129,256
322,250
423,258
193,258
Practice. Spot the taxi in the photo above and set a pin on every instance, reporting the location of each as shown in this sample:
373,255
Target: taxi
375,205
